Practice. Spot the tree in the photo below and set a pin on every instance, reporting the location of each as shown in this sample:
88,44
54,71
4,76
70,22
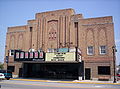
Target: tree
1,65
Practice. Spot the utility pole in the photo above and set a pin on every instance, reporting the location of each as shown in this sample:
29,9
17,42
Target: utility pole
114,58
7,60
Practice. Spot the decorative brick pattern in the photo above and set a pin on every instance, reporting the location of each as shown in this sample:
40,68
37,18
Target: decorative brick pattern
56,29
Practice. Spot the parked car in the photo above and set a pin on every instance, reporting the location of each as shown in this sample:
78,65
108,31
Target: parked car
7,74
118,74
2,76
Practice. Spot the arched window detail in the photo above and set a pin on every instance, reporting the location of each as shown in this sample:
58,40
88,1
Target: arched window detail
90,38
52,31
102,37
20,42
12,42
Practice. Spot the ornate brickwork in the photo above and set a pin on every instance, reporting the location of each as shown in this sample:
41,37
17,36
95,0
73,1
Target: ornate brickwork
64,28
52,30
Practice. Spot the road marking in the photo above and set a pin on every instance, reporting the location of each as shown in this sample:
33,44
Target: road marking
66,81
56,86
52,81
98,86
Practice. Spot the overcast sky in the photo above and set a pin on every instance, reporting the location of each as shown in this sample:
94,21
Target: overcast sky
17,12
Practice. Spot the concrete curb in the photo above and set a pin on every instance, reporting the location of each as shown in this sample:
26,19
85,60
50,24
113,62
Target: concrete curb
81,82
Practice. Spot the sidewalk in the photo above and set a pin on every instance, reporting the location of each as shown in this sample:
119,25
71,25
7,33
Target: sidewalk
69,81
97,82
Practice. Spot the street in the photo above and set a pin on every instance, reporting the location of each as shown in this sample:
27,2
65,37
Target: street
18,84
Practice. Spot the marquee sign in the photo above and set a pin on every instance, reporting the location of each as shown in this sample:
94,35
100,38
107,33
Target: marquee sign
31,55
28,56
41,55
79,57
22,55
17,55
36,55
68,56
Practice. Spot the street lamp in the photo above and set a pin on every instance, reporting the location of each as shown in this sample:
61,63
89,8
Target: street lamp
114,58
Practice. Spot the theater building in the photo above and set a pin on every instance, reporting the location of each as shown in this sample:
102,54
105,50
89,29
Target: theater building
61,44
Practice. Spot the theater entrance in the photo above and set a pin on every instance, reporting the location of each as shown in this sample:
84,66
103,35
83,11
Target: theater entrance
51,70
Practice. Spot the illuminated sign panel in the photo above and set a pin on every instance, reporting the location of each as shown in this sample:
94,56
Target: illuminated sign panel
31,54
41,55
26,54
63,50
68,56
17,55
36,55
22,55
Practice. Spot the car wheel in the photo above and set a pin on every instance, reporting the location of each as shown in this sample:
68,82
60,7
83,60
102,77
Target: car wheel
7,78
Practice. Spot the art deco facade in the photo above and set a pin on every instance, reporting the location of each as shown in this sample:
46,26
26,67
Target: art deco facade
65,29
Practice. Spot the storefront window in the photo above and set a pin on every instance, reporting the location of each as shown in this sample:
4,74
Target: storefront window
103,70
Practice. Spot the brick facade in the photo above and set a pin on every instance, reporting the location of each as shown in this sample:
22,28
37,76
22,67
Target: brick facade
64,28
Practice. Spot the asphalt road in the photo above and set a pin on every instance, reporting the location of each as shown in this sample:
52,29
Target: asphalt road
16,84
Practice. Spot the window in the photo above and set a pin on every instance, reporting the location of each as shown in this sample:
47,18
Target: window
52,35
76,24
30,29
90,50
104,70
102,49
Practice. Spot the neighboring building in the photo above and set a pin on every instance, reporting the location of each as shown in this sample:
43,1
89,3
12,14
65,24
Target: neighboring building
60,33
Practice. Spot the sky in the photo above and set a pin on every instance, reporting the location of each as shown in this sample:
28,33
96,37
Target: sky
17,12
